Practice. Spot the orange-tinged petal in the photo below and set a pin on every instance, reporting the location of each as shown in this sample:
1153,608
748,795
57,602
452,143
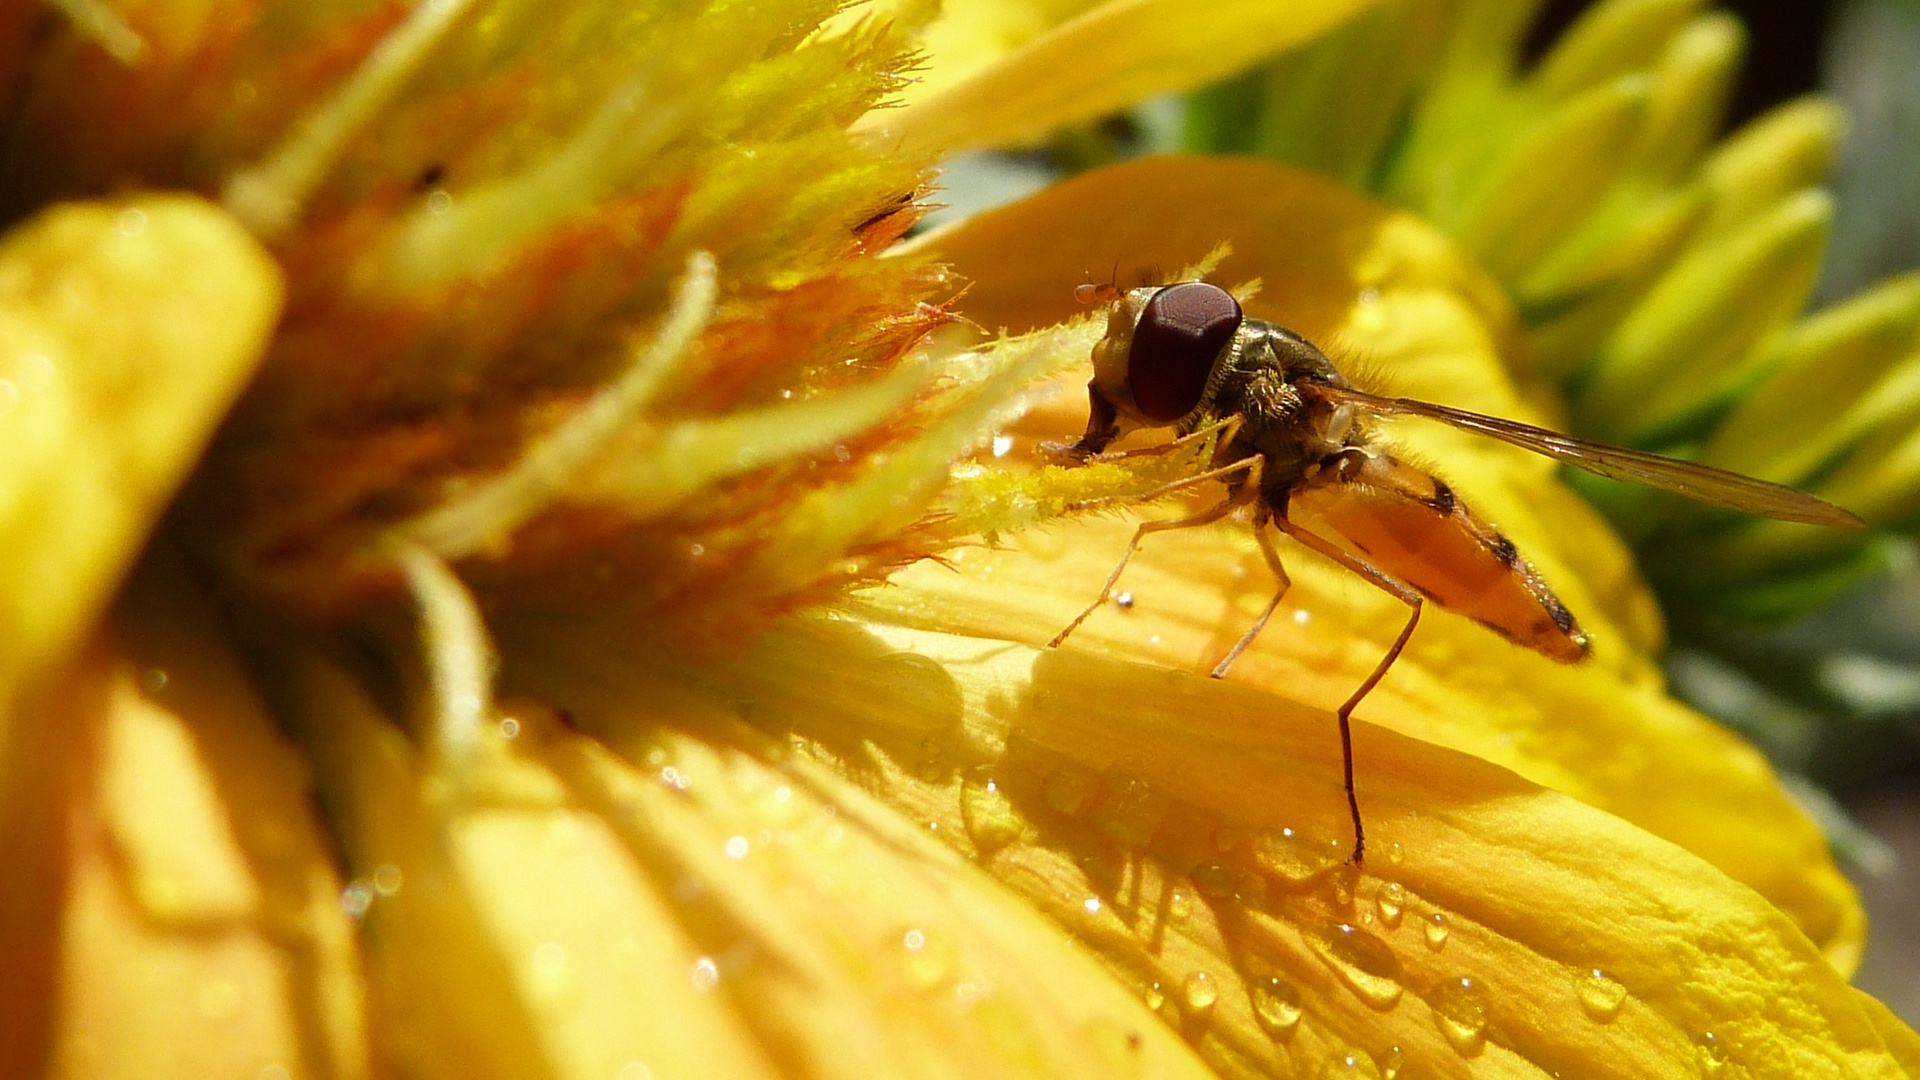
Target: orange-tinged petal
1370,283
1191,833
1000,72
114,368
200,932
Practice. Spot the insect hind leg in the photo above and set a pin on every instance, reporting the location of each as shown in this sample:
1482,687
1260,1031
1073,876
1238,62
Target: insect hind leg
1400,591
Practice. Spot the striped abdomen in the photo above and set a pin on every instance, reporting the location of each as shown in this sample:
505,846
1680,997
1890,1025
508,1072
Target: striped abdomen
1410,525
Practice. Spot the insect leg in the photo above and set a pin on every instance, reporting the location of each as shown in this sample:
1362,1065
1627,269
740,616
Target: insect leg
1205,517
1259,624
1400,591
1226,429
1245,464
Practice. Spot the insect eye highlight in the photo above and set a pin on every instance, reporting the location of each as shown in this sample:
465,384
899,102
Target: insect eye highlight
1181,332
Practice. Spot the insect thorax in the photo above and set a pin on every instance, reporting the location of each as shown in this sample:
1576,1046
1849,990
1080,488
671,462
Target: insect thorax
1258,379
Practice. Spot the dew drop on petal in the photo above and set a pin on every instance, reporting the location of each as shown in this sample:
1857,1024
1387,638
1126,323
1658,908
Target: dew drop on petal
990,817
1179,906
1341,884
1460,1011
1392,902
1711,1055
1601,995
1395,853
1436,929
1155,997
1201,991
1350,1065
1365,963
1276,1005
1293,858
387,879
1391,1068
927,958
706,974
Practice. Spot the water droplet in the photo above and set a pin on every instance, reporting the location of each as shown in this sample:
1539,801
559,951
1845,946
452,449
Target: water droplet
551,982
1711,1055
990,817
1365,963
1129,809
737,847
927,958
1342,883
1213,880
1179,906
1460,1010
387,880
1395,853
1350,1065
1396,1061
1251,889
1436,929
355,899
1293,858
1155,996
153,680
1069,791
1392,902
1276,1005
1125,600
509,728
1092,904
1201,991
1601,995
706,974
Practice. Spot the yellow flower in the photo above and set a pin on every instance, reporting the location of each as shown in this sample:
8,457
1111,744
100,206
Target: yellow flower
567,326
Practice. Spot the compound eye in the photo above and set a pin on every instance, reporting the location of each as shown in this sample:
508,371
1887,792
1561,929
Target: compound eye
1179,336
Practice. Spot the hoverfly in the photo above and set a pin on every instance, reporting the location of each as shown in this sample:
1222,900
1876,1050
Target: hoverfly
1294,444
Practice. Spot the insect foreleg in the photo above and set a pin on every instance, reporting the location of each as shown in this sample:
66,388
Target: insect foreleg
1250,465
1226,429
1400,591
1205,517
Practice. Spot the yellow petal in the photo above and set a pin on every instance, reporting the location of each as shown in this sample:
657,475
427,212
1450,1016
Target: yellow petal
1000,72
115,365
200,931
1602,731
1190,834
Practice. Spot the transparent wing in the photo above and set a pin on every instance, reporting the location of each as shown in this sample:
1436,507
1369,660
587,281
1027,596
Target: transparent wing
1704,483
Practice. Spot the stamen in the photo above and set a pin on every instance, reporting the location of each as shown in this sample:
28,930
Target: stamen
459,660
271,196
105,26
505,502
